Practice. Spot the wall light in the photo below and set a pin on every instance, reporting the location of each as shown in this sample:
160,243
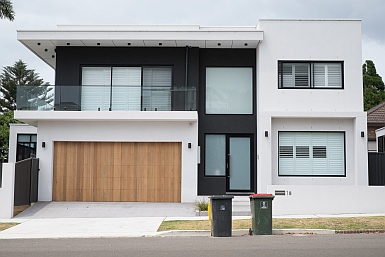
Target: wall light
189,145
43,144
266,133
362,134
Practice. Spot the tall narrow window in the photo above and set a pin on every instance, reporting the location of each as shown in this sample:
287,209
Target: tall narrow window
126,88
96,89
157,83
215,155
229,90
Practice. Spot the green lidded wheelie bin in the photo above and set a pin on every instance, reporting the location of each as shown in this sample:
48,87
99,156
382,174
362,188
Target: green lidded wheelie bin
261,214
221,215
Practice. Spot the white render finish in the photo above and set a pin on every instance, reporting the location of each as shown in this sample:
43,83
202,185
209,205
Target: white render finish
16,129
119,131
328,200
7,191
310,109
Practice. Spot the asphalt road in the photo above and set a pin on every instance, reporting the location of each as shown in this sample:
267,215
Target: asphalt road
267,246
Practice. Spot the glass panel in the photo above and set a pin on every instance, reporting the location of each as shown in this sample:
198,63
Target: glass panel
215,155
96,90
33,138
126,88
239,163
229,90
157,84
24,138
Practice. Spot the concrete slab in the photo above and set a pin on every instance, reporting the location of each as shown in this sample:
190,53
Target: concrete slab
54,210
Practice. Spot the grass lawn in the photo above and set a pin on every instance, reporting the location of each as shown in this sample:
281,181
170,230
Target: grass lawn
4,226
309,223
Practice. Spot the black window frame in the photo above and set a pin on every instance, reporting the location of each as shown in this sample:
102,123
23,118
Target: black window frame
311,86
32,150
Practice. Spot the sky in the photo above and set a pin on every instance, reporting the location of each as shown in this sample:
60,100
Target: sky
46,14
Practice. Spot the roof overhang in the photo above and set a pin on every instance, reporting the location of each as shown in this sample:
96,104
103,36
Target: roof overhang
44,42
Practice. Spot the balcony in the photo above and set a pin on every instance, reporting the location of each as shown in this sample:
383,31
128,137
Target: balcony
105,98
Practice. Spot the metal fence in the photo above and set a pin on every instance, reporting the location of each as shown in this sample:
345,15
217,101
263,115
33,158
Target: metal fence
376,168
26,181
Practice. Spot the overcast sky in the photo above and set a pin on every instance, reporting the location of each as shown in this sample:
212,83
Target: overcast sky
46,14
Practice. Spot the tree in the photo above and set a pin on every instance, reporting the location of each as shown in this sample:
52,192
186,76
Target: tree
35,91
5,119
373,85
6,10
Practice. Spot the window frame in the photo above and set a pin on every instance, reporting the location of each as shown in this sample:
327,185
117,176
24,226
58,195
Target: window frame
311,175
29,146
112,66
311,75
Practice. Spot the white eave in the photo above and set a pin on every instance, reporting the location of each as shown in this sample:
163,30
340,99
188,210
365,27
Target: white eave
44,42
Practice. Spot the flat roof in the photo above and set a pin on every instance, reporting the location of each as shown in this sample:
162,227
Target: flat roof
44,42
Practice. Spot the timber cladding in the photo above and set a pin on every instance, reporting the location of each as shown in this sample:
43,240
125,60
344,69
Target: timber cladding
117,172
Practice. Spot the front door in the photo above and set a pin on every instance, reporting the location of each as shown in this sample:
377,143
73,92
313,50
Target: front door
238,168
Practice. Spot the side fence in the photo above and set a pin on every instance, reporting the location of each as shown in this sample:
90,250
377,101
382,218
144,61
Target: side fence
26,181
376,169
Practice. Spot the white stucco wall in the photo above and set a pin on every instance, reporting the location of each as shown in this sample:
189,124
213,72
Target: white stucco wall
328,200
310,41
119,131
310,109
7,191
16,129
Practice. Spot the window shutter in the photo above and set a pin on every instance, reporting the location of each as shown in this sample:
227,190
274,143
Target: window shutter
334,75
311,153
302,72
126,88
157,84
96,89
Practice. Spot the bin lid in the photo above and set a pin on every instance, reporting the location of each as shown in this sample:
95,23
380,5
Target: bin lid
261,196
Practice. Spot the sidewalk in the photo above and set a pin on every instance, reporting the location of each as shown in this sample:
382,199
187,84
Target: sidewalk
95,220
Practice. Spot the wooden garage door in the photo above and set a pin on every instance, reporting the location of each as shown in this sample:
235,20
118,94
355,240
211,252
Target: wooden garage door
117,172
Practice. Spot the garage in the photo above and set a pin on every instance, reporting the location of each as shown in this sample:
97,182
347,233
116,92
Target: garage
117,171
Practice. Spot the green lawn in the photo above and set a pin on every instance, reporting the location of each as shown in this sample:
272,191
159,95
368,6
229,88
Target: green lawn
309,223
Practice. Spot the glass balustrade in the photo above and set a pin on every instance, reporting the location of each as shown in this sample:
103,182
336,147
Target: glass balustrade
106,98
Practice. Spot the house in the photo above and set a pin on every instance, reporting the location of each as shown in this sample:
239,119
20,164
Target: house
376,120
169,113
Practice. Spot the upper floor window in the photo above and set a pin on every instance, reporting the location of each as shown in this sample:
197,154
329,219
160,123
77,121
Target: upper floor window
126,88
310,74
229,90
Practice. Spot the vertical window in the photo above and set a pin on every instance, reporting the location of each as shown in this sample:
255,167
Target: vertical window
229,90
157,83
96,92
310,74
311,154
26,146
215,155
126,88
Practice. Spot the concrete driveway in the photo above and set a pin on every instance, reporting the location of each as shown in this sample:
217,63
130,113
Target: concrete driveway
80,219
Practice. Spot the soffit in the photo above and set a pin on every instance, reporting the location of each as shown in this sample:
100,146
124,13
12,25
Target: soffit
43,43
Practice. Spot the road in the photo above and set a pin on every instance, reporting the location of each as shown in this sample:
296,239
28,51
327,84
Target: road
267,246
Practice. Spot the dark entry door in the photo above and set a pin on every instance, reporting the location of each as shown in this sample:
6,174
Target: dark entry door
239,163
